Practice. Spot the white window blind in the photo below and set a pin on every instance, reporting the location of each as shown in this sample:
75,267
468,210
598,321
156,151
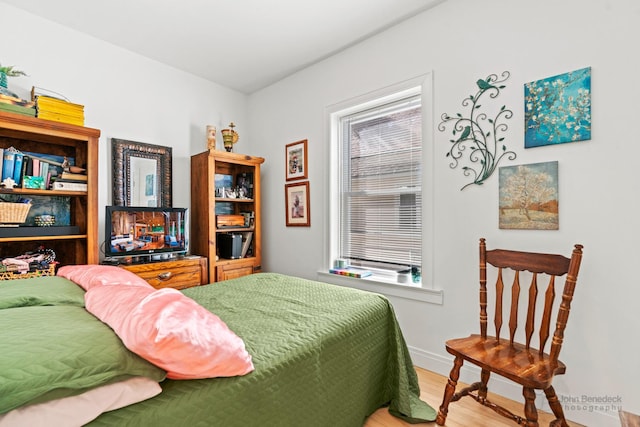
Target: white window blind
380,205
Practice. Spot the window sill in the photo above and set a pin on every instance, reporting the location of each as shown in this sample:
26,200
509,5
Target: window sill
384,287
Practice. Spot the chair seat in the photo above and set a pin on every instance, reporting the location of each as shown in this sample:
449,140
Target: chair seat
514,361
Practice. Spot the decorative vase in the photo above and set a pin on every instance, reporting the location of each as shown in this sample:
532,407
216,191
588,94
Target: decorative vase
229,137
211,137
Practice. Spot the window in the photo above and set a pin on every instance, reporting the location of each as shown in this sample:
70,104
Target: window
379,183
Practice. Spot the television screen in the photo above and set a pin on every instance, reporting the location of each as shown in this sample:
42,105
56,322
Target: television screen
135,231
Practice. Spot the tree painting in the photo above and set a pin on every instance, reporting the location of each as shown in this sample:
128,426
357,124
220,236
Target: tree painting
558,109
529,196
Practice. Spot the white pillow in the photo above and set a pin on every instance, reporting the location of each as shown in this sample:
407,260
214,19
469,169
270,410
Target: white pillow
78,410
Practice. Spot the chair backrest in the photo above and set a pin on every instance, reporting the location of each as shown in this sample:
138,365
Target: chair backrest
539,265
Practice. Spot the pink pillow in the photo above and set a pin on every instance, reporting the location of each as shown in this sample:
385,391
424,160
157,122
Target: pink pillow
171,331
90,275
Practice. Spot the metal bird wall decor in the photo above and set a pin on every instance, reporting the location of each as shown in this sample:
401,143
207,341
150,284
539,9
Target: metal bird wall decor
481,135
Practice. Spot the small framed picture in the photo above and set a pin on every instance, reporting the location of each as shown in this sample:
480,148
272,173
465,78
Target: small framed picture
296,199
296,160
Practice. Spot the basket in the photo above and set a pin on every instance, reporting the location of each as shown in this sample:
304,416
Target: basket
13,213
9,275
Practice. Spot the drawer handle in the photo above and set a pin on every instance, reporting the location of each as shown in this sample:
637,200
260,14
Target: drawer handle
164,276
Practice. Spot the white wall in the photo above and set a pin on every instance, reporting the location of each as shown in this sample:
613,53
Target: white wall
462,41
131,97
125,95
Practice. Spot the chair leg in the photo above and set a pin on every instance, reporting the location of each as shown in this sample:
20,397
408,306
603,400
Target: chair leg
556,407
449,390
530,411
484,380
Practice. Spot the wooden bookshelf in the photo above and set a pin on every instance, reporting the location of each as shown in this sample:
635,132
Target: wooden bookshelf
205,234
47,137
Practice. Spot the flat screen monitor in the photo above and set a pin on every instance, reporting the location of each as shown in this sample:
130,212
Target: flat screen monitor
138,231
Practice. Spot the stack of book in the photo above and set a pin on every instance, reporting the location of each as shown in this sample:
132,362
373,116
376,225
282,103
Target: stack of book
27,170
39,171
12,164
70,182
13,104
58,110
351,272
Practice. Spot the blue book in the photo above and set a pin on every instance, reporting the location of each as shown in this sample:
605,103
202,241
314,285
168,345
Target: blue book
8,162
17,168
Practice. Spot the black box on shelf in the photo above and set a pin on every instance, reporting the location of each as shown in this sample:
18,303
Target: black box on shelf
230,245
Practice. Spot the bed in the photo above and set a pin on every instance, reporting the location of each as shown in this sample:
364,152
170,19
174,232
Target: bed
323,355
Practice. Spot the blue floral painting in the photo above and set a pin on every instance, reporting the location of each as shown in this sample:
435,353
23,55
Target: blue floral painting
558,109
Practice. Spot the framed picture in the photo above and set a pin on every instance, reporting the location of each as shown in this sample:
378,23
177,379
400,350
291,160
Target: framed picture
296,160
296,199
558,109
529,197
135,167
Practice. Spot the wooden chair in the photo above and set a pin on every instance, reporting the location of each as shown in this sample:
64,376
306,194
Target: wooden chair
529,367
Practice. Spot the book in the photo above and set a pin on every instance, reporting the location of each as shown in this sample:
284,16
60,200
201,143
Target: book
247,236
59,178
17,168
35,170
62,118
45,174
56,103
74,176
8,162
351,272
8,99
68,186
28,165
53,114
18,109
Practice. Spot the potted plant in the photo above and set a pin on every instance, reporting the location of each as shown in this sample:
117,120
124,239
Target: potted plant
8,71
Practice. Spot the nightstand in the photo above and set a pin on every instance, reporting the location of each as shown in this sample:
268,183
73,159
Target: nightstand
178,273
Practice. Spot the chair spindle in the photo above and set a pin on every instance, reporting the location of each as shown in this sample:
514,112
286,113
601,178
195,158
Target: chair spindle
531,310
515,297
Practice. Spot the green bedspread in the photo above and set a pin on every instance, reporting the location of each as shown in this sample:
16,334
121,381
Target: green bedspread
51,347
324,356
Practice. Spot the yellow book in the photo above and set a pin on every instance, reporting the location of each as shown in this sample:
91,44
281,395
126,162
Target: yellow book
51,113
62,119
55,102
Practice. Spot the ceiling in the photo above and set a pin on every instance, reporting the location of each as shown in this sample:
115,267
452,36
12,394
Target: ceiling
242,44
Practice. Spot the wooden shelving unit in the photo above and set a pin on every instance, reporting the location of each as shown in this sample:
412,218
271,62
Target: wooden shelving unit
60,139
205,235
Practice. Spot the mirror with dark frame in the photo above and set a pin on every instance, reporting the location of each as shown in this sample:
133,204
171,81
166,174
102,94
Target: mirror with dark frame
141,174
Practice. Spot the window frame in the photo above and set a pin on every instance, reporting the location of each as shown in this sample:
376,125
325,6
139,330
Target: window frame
426,290
389,199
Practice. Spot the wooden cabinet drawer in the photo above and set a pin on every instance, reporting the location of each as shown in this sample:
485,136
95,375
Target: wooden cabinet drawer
178,274
178,278
233,269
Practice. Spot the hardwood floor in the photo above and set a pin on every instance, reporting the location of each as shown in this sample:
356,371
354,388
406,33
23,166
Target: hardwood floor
463,413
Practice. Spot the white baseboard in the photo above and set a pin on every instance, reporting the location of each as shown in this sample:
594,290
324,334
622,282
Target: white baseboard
470,373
